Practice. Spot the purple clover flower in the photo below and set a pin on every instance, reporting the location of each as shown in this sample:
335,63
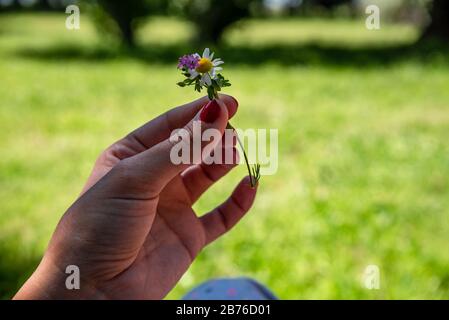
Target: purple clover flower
188,61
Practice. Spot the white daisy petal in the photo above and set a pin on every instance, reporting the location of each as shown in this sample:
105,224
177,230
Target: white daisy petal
193,74
218,68
211,56
206,53
206,79
217,62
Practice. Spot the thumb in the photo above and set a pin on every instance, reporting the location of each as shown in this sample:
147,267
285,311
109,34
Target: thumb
147,173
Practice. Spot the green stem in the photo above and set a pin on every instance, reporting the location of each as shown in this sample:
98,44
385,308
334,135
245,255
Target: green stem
253,178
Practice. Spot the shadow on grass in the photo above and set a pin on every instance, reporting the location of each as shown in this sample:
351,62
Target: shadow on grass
15,267
302,54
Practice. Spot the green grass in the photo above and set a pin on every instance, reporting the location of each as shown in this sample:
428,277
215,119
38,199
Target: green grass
363,120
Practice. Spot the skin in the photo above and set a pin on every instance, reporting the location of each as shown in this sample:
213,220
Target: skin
132,232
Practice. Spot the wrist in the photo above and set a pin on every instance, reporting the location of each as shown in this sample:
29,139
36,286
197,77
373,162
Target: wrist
48,282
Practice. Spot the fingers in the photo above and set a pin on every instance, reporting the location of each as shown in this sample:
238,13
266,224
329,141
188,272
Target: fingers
198,178
224,217
160,128
148,172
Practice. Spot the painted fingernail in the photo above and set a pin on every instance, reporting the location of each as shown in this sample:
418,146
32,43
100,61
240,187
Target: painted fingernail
249,182
235,100
210,112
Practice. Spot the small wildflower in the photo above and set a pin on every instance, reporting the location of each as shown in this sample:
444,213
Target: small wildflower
188,61
203,72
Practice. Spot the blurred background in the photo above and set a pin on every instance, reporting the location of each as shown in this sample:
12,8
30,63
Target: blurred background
362,115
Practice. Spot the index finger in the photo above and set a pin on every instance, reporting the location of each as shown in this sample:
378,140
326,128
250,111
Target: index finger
160,128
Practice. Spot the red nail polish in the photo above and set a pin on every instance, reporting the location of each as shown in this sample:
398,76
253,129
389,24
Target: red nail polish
210,112
235,100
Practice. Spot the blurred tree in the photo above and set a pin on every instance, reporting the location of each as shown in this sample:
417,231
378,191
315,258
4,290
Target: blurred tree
328,4
325,8
21,5
439,25
212,17
122,17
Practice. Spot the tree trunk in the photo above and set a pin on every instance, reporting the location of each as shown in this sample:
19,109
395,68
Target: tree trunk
439,26
127,31
212,23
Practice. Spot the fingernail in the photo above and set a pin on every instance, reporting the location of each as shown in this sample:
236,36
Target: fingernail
248,182
235,100
210,112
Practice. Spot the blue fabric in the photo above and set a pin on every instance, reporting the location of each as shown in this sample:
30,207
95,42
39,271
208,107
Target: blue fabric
230,289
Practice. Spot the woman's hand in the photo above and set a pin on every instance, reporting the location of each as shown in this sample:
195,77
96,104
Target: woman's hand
133,232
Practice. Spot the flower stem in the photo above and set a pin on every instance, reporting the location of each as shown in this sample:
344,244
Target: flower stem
254,174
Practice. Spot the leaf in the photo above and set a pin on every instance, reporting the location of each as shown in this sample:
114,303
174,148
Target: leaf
211,92
198,85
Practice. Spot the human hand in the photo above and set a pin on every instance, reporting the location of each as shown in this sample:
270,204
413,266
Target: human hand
133,232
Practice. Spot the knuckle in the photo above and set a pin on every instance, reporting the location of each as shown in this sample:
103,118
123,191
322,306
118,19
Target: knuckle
125,170
113,154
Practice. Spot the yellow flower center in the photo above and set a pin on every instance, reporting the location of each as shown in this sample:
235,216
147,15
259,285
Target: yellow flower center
204,65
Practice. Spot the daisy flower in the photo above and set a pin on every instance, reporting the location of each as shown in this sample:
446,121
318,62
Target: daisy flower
203,72
207,67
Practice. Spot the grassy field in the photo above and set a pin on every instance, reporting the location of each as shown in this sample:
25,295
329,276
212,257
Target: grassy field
363,121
